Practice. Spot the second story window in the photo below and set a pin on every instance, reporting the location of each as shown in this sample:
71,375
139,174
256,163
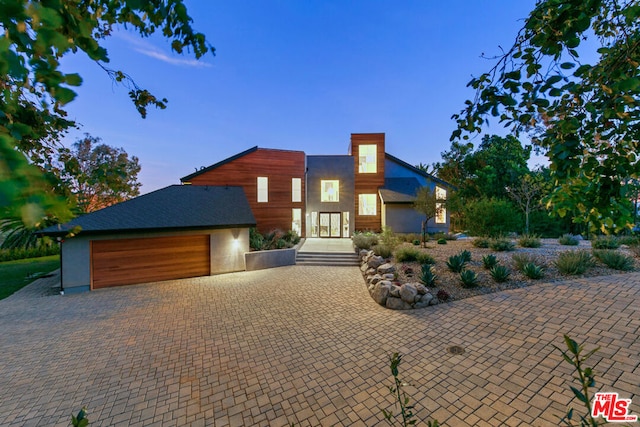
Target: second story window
330,190
367,158
263,189
296,189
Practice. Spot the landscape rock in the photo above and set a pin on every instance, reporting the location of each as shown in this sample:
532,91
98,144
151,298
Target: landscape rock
375,261
395,291
408,292
386,268
380,292
397,304
421,289
375,279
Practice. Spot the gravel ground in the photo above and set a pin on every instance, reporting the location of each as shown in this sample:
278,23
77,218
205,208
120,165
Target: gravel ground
450,282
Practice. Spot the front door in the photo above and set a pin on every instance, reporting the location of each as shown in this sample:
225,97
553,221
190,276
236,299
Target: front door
330,224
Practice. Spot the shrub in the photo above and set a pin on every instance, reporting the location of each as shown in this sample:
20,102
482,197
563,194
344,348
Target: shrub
406,254
382,250
635,249
24,253
614,259
501,244
629,240
428,275
469,279
574,262
529,241
292,237
442,241
533,271
568,240
425,258
605,242
480,242
388,238
456,263
465,255
500,273
443,295
416,242
489,261
520,260
255,239
491,217
365,240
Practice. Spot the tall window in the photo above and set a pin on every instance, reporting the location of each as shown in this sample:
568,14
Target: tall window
366,204
263,189
296,189
441,210
330,190
296,221
367,158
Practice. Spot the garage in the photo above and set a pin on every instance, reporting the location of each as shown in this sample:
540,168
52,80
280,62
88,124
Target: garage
131,261
177,232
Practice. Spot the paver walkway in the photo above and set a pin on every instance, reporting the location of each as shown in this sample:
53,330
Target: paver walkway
305,345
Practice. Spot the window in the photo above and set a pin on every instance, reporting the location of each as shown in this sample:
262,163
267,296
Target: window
367,158
314,224
345,224
296,189
296,221
366,204
263,189
330,190
441,210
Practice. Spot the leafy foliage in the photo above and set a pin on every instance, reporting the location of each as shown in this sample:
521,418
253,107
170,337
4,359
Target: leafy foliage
442,241
489,261
35,91
81,419
501,244
526,194
406,254
500,273
365,240
568,240
533,271
97,174
428,275
383,250
480,242
605,242
456,263
469,279
491,217
574,262
584,115
529,241
574,355
614,259
522,259
425,258
401,397
428,205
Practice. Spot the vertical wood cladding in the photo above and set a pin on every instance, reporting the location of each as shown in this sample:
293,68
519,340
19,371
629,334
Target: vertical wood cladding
279,166
368,183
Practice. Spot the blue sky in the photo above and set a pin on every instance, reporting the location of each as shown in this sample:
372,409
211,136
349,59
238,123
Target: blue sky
296,75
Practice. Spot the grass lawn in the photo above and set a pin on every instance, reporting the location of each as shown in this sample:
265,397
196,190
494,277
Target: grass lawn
14,275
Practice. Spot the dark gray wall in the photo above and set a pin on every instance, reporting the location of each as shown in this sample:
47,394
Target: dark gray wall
330,167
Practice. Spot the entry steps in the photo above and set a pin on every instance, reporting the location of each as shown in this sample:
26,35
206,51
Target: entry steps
335,259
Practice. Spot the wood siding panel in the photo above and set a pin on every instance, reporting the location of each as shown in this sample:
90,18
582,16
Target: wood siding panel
277,165
130,261
368,183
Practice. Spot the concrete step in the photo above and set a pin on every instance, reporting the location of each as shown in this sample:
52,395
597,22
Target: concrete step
327,258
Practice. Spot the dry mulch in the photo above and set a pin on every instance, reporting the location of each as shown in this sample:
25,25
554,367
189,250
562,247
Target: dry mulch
450,282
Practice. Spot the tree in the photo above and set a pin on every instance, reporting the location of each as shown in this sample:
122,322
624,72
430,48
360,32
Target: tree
97,174
429,205
34,91
584,113
526,194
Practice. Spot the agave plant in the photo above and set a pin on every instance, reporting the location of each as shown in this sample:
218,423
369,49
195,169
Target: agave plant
456,263
500,273
489,261
469,279
532,271
428,276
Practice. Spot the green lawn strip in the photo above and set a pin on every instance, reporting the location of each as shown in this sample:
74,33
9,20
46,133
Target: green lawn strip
14,275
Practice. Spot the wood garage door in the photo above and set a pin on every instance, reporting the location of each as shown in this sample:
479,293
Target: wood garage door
129,261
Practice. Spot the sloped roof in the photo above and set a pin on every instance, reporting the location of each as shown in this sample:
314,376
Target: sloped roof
177,207
418,171
399,190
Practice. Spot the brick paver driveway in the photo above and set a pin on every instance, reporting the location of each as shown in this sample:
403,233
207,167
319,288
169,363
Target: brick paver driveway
305,345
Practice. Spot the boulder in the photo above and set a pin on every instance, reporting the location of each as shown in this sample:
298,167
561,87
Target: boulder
389,276
370,272
386,268
363,253
375,279
375,261
421,289
397,304
380,292
408,292
364,267
395,291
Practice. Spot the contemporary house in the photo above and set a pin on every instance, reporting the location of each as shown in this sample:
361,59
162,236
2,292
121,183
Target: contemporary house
332,195
202,227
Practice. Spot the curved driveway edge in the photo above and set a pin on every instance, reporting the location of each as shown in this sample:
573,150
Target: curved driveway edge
306,345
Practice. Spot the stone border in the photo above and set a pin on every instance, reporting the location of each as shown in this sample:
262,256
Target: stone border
260,260
380,276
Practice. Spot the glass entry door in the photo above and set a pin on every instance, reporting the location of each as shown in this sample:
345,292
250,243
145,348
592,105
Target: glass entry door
330,224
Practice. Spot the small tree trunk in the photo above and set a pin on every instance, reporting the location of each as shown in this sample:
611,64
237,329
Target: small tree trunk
424,234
